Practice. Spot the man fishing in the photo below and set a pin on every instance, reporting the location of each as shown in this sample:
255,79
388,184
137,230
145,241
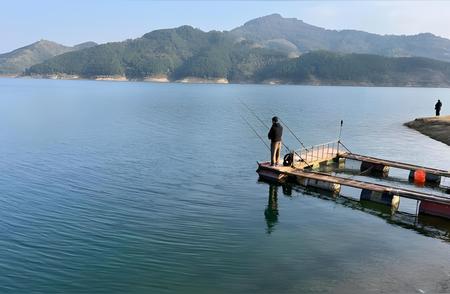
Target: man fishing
437,107
275,134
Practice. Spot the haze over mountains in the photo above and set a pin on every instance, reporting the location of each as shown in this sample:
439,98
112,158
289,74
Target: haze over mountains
298,37
265,49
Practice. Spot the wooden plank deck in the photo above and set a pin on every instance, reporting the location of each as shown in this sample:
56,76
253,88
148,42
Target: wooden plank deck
396,164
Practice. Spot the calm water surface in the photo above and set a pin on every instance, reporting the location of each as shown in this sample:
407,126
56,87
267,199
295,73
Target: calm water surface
151,188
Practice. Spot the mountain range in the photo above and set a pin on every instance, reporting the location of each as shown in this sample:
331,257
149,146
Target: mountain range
267,49
296,37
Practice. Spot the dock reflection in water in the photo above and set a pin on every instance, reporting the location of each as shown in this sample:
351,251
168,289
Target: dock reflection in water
426,225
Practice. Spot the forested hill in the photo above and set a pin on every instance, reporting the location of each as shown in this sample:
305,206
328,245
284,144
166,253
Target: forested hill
17,61
176,53
186,52
295,36
327,68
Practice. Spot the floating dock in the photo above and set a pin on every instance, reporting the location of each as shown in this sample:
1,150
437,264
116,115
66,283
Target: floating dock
299,167
432,174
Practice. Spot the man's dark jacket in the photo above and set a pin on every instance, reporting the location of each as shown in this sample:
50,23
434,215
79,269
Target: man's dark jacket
438,105
275,133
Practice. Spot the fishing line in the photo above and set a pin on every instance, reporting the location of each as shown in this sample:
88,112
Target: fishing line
264,124
253,129
289,129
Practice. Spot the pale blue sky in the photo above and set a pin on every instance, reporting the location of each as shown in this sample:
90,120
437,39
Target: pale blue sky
70,22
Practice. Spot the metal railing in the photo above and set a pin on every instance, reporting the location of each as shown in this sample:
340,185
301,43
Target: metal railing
315,153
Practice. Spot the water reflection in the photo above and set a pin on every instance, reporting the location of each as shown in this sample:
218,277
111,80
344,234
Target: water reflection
271,212
430,226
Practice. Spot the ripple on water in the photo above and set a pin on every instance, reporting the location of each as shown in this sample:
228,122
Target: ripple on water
152,188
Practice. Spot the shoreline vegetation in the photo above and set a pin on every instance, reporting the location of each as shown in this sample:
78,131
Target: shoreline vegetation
437,128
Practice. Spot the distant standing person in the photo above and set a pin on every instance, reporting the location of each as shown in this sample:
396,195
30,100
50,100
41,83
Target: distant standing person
275,134
437,107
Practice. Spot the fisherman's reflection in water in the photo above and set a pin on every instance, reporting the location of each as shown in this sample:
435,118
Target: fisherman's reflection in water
424,224
271,211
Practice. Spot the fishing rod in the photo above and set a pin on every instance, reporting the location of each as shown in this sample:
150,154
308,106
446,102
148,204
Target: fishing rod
253,129
263,123
295,136
292,133
340,136
284,145
254,114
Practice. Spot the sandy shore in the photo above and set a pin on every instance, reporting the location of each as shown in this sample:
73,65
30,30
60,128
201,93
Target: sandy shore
195,80
111,78
437,128
157,79
119,78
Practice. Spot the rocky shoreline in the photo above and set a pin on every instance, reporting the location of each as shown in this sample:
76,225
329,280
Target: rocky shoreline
437,128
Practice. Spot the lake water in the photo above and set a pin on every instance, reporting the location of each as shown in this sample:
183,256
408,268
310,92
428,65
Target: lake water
113,187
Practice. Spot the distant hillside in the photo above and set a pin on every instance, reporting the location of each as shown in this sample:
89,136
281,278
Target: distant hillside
20,59
186,53
175,53
84,45
327,68
296,37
